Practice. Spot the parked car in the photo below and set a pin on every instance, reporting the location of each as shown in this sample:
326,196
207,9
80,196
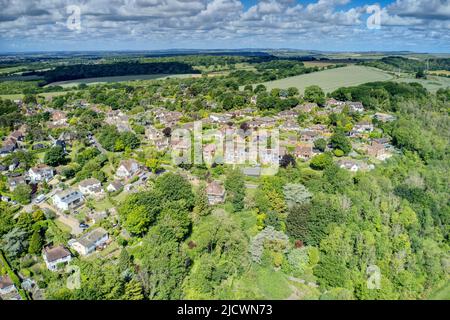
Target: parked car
84,226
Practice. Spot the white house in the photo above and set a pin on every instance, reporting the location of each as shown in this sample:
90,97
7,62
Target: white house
40,173
68,199
53,256
90,241
349,165
114,186
90,187
127,168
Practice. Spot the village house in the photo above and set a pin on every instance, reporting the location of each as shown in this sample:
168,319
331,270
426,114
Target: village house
304,152
8,290
127,169
114,186
209,152
306,107
168,118
269,156
379,151
151,133
355,106
40,173
333,103
350,165
68,199
7,148
220,118
118,119
58,118
265,122
55,256
309,136
162,143
288,114
6,285
362,127
18,135
290,125
215,193
91,187
14,181
87,243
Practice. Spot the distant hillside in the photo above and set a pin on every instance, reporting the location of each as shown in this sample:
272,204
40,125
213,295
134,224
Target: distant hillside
394,63
83,71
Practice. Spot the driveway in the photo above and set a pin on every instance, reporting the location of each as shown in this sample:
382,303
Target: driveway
68,220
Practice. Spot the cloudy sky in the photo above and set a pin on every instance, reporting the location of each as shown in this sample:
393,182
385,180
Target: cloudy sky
333,25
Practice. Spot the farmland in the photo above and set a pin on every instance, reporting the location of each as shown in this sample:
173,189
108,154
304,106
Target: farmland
73,83
332,79
432,83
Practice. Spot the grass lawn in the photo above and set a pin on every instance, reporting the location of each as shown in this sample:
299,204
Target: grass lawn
432,83
332,79
264,283
63,227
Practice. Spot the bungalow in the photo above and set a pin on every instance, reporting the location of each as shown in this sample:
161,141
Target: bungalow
127,168
90,187
304,152
54,256
90,241
40,173
6,285
114,186
68,199
215,193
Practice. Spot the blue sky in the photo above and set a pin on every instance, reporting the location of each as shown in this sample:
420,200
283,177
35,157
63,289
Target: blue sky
329,25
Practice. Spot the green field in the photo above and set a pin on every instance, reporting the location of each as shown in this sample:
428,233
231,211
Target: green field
432,83
92,81
332,79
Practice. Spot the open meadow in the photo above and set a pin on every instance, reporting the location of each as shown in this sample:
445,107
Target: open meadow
332,79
